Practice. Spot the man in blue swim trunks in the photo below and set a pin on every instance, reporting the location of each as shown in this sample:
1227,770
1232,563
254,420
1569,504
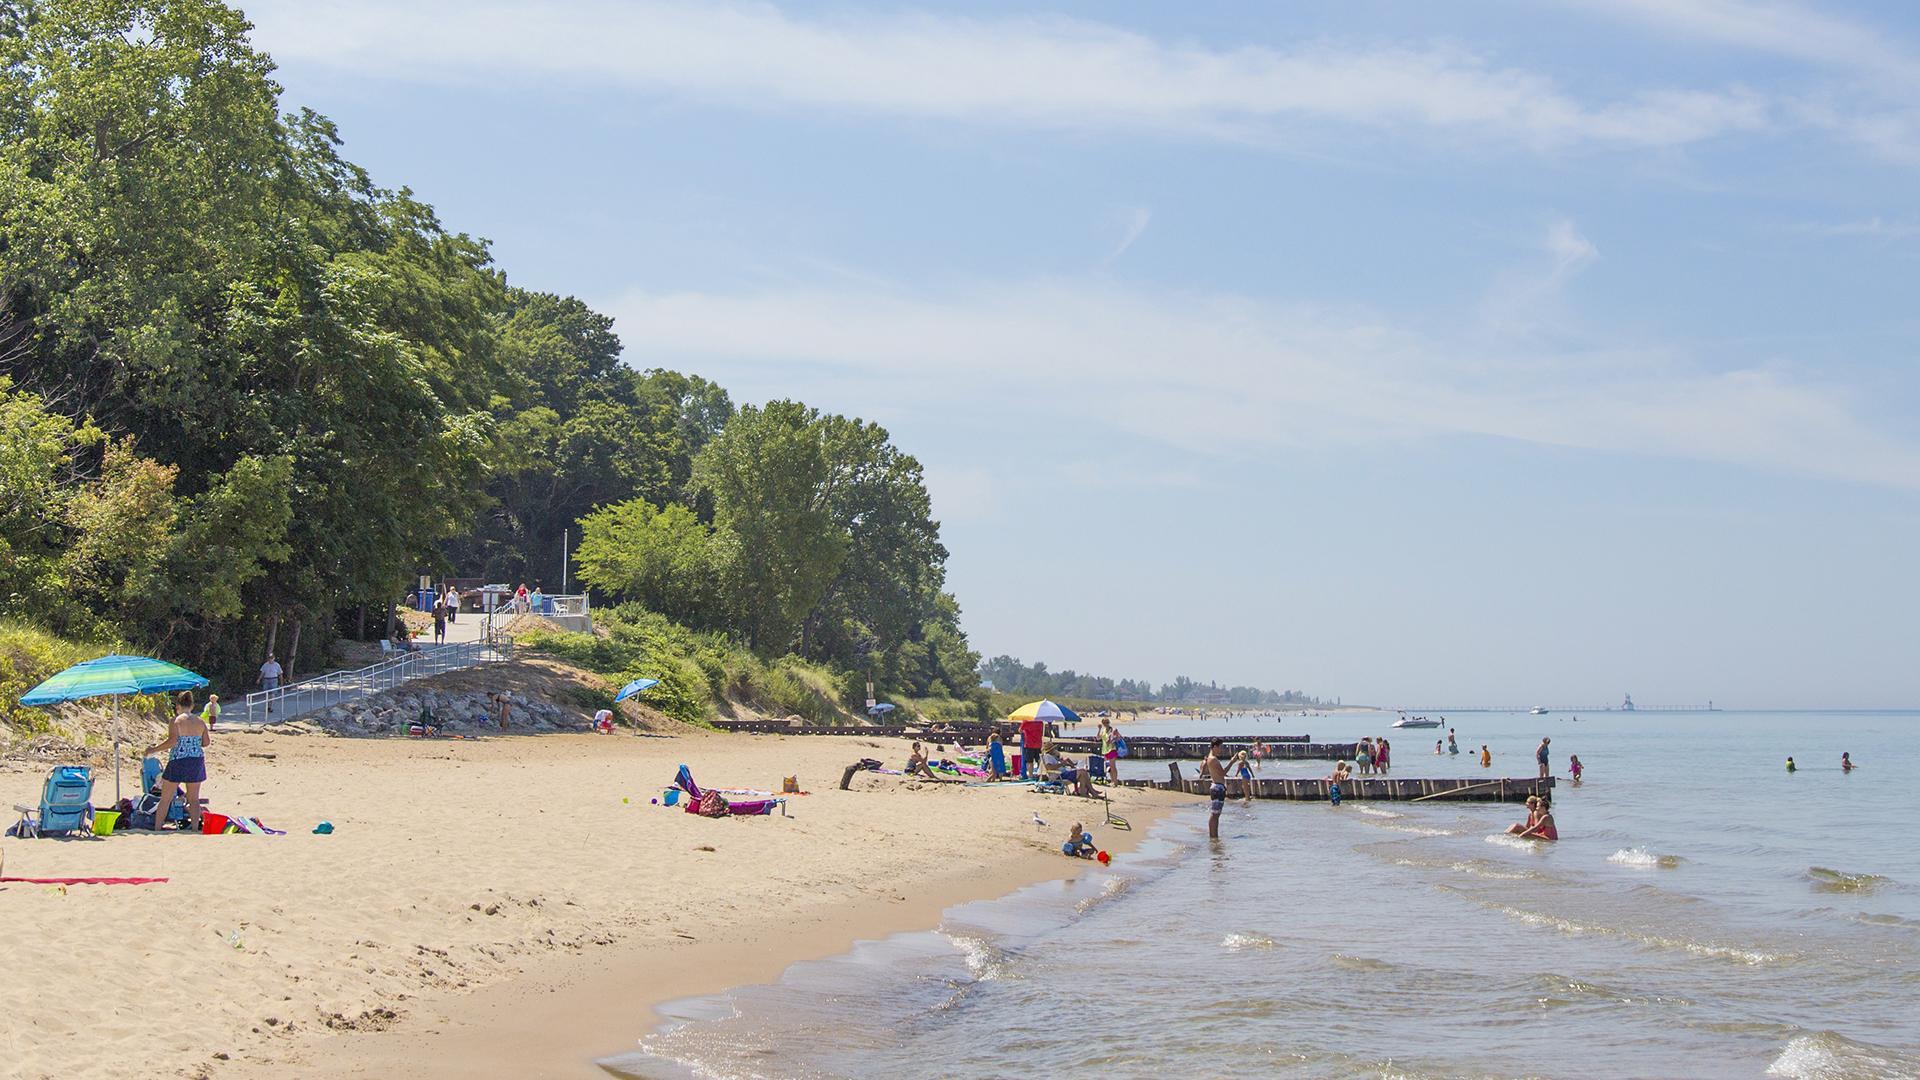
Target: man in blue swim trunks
1215,769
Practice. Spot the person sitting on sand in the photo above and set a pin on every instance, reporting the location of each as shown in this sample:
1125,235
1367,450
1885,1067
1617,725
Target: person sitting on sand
1079,843
917,764
187,739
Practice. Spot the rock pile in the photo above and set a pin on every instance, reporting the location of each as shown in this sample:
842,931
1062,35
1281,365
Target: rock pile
390,713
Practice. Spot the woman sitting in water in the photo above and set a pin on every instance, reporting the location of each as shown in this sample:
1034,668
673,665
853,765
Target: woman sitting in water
1539,823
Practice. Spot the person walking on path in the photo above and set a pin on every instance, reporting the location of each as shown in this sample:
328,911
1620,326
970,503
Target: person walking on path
187,739
1214,769
1542,757
452,602
270,677
440,624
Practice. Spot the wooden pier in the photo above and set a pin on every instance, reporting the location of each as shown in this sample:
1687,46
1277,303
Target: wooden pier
1365,788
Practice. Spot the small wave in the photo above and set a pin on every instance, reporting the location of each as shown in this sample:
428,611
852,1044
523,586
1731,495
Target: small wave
1109,889
1643,859
1246,941
1697,948
1372,811
1826,1056
1878,919
985,962
1825,880
1419,830
1512,841
1360,963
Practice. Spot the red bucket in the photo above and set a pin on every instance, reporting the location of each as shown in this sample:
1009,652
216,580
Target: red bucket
212,824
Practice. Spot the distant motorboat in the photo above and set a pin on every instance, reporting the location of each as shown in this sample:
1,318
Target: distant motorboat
1415,721
1538,710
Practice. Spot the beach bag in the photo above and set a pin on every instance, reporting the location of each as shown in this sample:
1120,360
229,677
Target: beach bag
712,805
790,786
1120,748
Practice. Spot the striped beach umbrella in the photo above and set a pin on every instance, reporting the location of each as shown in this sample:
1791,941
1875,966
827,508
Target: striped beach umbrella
1044,710
113,676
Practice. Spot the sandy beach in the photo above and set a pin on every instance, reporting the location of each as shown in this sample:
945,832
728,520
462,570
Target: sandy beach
505,904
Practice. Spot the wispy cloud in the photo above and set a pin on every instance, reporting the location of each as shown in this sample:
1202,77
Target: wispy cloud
1036,71
1232,366
1133,222
1874,228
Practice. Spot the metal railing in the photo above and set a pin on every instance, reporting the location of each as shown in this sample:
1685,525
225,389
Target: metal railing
335,687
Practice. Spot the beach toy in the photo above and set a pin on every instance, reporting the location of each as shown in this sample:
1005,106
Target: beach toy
324,828
212,824
672,796
655,802
1104,858
624,800
104,821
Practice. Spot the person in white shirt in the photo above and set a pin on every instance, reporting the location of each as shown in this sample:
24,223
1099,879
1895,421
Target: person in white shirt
270,677
453,604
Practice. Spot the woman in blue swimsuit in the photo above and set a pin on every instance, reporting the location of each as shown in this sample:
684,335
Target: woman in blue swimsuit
186,743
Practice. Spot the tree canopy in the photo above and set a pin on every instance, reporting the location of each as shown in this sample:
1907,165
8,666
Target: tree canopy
244,386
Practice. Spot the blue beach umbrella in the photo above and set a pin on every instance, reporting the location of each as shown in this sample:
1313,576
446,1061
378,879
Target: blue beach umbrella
634,687
881,709
112,676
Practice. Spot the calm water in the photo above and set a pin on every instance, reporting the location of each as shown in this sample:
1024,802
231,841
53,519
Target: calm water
1706,914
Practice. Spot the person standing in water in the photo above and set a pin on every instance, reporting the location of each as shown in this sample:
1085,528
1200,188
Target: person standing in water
1214,770
1573,763
1846,763
1791,767
1452,747
1486,757
1541,755
1340,775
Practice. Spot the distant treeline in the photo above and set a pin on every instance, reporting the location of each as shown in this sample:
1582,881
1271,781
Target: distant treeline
1009,675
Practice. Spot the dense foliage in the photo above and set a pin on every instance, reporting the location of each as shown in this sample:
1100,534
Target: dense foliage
248,395
1008,675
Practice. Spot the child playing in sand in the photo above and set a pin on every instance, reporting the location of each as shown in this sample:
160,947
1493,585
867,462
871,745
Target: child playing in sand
1079,843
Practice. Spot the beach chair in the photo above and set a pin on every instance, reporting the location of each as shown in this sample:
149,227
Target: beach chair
150,769
1097,766
66,803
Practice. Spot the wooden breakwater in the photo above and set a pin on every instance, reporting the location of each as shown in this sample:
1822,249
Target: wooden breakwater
1366,788
1141,747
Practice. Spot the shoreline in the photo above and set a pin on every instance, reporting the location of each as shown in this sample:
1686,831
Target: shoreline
560,1019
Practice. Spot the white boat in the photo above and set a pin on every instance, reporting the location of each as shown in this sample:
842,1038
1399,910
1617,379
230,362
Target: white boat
1415,721
1538,710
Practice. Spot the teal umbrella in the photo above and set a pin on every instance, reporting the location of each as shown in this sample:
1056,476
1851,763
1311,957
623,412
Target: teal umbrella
112,676
634,687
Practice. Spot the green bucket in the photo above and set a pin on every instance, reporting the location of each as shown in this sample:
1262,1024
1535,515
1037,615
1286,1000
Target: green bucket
104,821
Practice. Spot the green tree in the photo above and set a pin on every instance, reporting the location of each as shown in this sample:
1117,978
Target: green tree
664,558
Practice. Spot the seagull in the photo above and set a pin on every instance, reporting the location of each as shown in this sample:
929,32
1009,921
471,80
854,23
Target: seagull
1040,821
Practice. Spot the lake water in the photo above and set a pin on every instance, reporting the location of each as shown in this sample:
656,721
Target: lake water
1705,914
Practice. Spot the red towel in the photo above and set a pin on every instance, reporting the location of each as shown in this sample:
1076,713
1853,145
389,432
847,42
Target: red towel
85,880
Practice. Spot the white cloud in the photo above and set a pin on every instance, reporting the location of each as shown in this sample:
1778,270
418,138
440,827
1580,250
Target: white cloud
1045,72
1570,249
1242,373
1781,29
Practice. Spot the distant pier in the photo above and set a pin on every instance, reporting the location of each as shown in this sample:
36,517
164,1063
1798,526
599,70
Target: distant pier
1365,788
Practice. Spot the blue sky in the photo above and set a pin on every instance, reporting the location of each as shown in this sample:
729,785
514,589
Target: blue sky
1497,351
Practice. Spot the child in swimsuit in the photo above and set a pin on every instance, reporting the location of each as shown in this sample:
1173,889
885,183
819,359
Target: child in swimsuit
1340,774
1574,764
1244,770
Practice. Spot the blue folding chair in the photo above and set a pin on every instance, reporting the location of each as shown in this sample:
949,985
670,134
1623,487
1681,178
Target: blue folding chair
66,803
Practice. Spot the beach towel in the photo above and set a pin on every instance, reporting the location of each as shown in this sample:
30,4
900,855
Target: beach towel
713,804
85,880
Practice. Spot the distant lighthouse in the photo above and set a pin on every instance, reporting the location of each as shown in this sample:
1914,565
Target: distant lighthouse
1627,706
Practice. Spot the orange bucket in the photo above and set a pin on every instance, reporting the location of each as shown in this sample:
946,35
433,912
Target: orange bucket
212,824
